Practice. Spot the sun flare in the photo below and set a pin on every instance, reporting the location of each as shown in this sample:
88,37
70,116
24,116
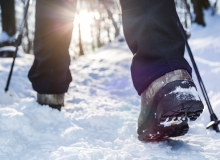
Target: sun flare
86,20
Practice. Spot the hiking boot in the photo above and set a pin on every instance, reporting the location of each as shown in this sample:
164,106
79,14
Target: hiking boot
167,105
55,101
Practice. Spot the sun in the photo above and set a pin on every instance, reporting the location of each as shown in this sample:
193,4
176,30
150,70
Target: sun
86,20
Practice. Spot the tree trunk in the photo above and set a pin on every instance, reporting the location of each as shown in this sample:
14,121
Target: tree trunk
110,16
81,52
198,10
188,8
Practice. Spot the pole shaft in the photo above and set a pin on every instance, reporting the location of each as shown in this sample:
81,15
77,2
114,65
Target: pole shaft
196,69
11,70
199,79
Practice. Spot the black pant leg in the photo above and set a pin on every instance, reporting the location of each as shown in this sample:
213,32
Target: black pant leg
8,16
50,72
153,35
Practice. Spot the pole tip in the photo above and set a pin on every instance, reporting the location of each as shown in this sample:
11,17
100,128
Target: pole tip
214,125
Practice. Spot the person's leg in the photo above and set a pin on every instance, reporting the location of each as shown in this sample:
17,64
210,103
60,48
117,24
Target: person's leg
50,72
54,23
8,17
159,71
152,34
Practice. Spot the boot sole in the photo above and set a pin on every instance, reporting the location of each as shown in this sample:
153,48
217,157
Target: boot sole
174,122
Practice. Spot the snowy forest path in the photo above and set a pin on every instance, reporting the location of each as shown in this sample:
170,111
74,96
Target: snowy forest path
100,116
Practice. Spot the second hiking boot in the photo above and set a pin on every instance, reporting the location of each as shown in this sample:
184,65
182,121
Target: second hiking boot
55,101
167,105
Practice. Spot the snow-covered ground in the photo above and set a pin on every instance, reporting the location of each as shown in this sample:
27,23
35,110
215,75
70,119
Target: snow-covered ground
100,116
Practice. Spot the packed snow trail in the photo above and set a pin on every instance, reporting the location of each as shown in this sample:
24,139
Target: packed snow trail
102,107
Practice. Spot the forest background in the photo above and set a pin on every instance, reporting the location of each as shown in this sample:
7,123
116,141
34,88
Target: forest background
98,22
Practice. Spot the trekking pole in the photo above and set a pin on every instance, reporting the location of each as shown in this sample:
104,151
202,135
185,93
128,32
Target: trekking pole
214,120
18,42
